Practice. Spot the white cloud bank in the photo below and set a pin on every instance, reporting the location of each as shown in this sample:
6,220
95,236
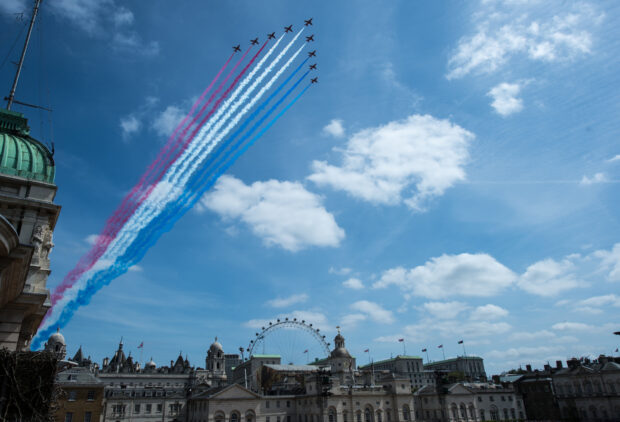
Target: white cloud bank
597,178
506,31
411,161
281,213
505,100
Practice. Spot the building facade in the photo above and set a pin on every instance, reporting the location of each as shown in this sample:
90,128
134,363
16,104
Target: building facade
410,367
81,398
28,216
471,367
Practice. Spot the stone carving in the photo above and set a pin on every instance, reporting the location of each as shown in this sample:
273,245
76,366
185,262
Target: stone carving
43,244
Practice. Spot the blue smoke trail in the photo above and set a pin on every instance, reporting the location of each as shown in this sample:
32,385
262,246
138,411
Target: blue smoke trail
140,246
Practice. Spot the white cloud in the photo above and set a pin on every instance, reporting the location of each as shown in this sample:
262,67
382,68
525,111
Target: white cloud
521,353
353,283
373,311
334,128
351,320
456,328
340,271
123,16
316,318
549,277
597,178
389,339
452,275
130,42
130,125
610,262
166,121
504,34
488,312
614,158
505,101
281,213
13,6
444,310
571,326
531,335
410,161
287,301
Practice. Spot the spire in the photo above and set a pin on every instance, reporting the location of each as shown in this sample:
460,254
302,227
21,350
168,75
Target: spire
11,96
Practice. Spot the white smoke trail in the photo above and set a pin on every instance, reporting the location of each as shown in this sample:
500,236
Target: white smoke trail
167,190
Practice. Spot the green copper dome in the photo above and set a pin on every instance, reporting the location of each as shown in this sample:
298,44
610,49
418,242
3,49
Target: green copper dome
20,154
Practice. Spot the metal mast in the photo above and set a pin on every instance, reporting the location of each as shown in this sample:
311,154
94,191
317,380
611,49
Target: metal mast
21,59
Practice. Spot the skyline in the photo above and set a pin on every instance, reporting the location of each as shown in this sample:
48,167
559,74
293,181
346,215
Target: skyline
461,184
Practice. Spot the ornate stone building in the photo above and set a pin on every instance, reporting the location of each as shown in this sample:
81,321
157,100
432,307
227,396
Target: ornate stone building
28,216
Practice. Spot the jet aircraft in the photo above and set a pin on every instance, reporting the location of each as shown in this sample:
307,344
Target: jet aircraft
288,29
271,36
254,41
310,38
308,22
313,66
314,80
237,48
312,53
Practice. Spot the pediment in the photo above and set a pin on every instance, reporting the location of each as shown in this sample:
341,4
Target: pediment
235,391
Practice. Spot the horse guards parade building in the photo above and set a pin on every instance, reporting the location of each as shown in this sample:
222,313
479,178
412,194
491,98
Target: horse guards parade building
259,388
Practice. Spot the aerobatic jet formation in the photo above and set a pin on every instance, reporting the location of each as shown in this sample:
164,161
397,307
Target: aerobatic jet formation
237,48
312,53
310,38
308,22
314,80
254,41
288,28
313,66
271,36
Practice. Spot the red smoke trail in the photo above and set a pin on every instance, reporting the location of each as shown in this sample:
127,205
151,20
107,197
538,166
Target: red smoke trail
135,197
129,205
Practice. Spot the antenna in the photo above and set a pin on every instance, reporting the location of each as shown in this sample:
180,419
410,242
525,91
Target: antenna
11,96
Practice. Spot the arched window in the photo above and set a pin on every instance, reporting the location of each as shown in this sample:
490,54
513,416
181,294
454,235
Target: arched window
234,417
494,413
405,412
505,413
388,415
250,416
367,415
332,415
455,412
463,411
345,415
219,417
358,416
379,418
482,415
472,411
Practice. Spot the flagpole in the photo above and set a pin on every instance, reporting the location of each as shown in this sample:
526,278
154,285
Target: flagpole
368,351
464,351
426,350
404,348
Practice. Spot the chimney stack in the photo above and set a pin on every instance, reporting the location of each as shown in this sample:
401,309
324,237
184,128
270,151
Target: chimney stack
558,364
528,368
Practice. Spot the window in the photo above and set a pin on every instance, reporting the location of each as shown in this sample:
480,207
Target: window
69,417
345,415
406,412
513,413
288,403
159,407
332,415
358,416
148,408
267,404
118,409
503,398
367,415
277,403
235,418
91,395
379,418
72,395
482,416
278,419
88,416
388,416
136,408
505,413
479,398
288,418
267,419
491,398
494,413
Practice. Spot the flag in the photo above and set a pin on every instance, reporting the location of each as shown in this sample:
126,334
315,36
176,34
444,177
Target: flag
440,346
401,340
367,350
424,350
141,345
616,349
306,351
460,341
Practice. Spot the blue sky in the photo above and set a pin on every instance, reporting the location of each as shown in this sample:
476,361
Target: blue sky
453,176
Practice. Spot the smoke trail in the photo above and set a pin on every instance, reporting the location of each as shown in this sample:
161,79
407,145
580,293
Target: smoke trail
91,283
155,192
128,205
